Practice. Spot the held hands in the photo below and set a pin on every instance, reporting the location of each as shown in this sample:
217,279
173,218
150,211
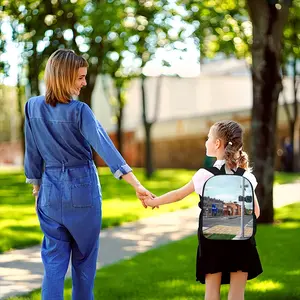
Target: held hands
150,202
143,194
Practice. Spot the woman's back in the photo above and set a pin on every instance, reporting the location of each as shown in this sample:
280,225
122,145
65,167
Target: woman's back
56,131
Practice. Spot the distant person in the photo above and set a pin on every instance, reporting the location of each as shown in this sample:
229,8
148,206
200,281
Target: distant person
287,156
59,133
220,261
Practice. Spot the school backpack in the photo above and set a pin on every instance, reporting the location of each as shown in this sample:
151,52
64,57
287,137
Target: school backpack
227,206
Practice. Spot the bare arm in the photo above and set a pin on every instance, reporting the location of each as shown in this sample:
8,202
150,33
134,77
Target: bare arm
141,192
256,207
132,180
172,196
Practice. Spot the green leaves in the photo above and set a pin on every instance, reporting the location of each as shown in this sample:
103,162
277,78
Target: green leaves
108,33
291,45
221,27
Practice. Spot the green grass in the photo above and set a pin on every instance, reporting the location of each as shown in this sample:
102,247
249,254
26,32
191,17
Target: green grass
168,272
282,177
216,236
19,225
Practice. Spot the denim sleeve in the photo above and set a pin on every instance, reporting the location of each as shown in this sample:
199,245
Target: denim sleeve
33,162
97,137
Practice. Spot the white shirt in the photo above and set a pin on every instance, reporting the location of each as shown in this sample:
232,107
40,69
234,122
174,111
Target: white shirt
202,175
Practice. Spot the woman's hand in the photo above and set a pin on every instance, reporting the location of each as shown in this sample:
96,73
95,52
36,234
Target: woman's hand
36,198
35,193
142,193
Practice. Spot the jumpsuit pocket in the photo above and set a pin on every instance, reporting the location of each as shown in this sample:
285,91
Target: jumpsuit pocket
44,198
81,195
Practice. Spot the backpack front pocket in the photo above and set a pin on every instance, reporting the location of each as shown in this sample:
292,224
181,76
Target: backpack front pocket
227,208
81,195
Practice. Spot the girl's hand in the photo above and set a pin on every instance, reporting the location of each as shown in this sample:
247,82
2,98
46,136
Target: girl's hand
150,202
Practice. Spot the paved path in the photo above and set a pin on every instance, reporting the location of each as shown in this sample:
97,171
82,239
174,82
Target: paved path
21,270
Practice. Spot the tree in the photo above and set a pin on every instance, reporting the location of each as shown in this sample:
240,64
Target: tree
150,31
117,102
220,27
41,27
224,27
86,27
4,66
268,21
115,68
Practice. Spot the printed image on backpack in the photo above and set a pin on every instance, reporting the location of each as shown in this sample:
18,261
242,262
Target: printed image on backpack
227,207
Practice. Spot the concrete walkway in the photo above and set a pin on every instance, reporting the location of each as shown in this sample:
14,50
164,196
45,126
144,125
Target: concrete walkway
21,271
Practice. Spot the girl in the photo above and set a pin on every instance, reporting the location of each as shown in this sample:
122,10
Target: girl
59,133
221,261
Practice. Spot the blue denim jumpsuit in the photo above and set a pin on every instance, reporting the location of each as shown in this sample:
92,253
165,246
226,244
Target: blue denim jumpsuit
58,157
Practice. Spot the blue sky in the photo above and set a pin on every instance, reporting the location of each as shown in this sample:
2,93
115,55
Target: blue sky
227,188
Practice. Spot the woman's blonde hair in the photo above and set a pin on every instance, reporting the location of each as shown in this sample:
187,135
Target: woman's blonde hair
60,75
231,133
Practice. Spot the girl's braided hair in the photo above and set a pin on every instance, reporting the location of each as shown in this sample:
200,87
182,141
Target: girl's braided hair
231,133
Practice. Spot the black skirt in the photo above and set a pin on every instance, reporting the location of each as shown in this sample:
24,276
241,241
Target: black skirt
214,256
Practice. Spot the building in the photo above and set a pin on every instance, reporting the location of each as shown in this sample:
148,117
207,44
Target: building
212,207
187,109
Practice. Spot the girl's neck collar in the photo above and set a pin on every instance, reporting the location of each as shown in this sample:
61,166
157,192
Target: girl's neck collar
220,161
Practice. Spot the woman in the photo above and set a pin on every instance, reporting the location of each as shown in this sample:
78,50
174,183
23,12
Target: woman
59,133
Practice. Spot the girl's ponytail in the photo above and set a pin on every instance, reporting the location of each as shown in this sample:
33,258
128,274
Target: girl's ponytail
230,156
243,160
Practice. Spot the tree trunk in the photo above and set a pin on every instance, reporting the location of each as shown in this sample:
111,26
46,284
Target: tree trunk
120,120
86,92
147,127
268,23
21,115
296,112
148,148
33,74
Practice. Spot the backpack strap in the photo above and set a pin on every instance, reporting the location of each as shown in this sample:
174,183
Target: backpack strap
213,170
216,171
222,170
240,171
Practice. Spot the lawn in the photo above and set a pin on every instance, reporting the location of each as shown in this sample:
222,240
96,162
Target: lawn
282,177
168,272
19,226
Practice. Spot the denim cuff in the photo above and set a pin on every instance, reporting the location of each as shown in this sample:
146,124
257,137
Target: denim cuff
34,181
123,170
